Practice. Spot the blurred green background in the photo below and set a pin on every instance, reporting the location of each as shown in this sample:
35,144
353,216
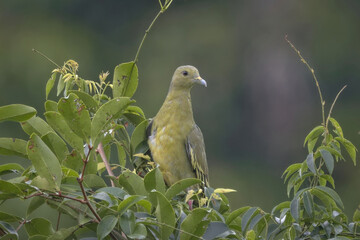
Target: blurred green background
260,102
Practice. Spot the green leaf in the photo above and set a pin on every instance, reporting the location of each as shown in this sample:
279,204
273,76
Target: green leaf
57,122
247,217
217,230
280,207
331,194
6,217
76,115
329,160
139,135
132,183
308,203
39,226
255,221
16,113
13,146
127,222
51,106
106,225
45,162
116,192
106,113
125,80
121,155
35,203
329,179
154,180
36,125
334,150
10,189
290,170
73,161
61,85
311,144
329,203
56,144
192,222
94,181
88,100
337,127
165,214
356,216
295,209
63,233
10,168
350,148
311,163
134,114
128,202
9,229
50,84
139,232
314,133
181,185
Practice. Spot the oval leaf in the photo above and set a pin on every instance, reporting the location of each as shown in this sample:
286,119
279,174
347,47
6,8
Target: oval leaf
139,135
154,180
165,214
192,222
36,125
132,183
13,146
181,185
125,80
329,160
311,163
76,115
128,202
295,208
106,225
308,203
57,122
45,162
332,194
50,84
106,114
16,112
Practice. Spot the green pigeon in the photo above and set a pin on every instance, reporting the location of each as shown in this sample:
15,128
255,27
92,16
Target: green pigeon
175,141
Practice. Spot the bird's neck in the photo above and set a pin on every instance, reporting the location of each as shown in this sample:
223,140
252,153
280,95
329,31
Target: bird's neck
178,102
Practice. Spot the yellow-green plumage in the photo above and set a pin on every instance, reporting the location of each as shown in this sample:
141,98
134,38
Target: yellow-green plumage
176,142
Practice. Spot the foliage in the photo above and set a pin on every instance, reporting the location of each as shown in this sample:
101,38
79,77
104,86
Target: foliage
83,150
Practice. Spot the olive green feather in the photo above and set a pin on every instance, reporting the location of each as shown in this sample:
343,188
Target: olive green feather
175,141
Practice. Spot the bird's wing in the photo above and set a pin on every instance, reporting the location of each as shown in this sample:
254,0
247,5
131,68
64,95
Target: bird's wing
195,149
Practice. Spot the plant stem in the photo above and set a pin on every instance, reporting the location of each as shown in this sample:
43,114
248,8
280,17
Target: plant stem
146,33
46,57
315,78
332,106
58,221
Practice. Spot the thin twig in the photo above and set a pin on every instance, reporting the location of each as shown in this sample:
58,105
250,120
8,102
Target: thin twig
20,225
146,33
332,106
46,57
314,76
58,221
100,150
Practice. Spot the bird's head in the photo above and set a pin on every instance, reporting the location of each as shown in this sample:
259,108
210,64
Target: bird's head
185,77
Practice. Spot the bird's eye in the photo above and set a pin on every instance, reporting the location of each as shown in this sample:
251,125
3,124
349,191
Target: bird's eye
185,73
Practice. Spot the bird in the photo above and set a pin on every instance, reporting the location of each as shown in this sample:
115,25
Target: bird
176,143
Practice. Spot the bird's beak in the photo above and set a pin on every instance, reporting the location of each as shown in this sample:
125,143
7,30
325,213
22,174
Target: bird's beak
200,81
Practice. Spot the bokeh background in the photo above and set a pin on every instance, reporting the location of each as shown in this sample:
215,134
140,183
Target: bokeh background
260,103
